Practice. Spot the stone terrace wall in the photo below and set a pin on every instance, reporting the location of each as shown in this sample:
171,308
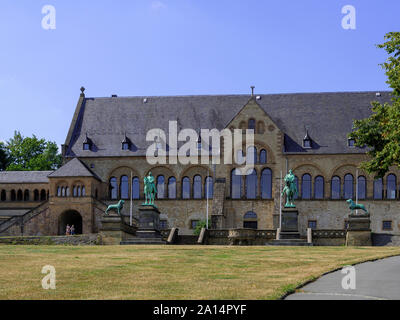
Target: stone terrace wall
384,239
239,237
329,237
85,239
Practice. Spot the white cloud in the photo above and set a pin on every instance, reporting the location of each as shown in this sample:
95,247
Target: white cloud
157,5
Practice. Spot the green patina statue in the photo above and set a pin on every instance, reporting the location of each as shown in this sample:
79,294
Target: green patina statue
116,207
150,190
353,206
290,190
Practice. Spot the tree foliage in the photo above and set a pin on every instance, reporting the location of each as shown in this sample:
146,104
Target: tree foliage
4,159
31,154
200,225
381,131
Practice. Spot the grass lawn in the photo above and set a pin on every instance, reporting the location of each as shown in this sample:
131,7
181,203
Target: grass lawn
170,272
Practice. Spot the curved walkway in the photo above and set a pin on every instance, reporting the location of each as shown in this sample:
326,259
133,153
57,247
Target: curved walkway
375,280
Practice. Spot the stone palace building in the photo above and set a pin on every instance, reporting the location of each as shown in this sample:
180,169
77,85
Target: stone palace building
105,160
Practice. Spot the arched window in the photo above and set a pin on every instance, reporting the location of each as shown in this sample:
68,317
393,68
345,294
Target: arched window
263,156
26,195
296,182
63,192
251,155
185,188
319,187
252,124
20,197
80,191
250,220
113,189
160,187
43,194
209,188
348,188
13,195
124,187
378,188
391,186
197,187
251,184
266,184
335,188
74,191
172,188
83,191
362,187
135,188
236,184
3,195
36,194
306,186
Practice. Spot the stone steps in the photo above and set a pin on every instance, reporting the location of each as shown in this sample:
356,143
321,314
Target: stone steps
286,235
290,242
136,241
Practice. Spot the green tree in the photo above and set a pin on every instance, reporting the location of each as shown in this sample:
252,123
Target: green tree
381,131
200,225
4,160
31,153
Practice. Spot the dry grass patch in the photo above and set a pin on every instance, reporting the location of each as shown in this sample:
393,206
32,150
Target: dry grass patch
170,272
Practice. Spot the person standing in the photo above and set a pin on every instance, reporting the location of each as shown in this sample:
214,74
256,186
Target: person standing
72,230
68,230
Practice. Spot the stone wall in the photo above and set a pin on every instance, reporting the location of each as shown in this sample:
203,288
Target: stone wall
87,239
329,237
385,239
239,237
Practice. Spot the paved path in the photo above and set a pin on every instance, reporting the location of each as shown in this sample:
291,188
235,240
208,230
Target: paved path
375,280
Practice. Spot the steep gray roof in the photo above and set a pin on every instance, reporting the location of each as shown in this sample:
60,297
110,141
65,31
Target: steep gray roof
327,116
24,176
73,168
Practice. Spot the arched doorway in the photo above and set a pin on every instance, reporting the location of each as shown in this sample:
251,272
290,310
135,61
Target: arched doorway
70,217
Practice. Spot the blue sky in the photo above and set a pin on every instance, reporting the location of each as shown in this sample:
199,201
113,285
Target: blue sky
179,47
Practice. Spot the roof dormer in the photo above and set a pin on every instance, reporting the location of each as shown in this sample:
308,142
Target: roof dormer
87,143
307,142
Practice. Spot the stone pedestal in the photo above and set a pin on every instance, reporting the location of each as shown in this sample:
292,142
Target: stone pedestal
289,220
359,230
148,231
110,230
149,218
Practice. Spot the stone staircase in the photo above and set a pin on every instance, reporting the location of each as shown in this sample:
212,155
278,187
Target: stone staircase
290,238
144,237
4,218
23,219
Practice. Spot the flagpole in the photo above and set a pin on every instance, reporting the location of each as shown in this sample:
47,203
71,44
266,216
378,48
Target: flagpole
208,186
280,202
356,189
130,213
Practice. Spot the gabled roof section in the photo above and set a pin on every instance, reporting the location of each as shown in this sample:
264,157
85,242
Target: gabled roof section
328,117
24,176
73,168
252,100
